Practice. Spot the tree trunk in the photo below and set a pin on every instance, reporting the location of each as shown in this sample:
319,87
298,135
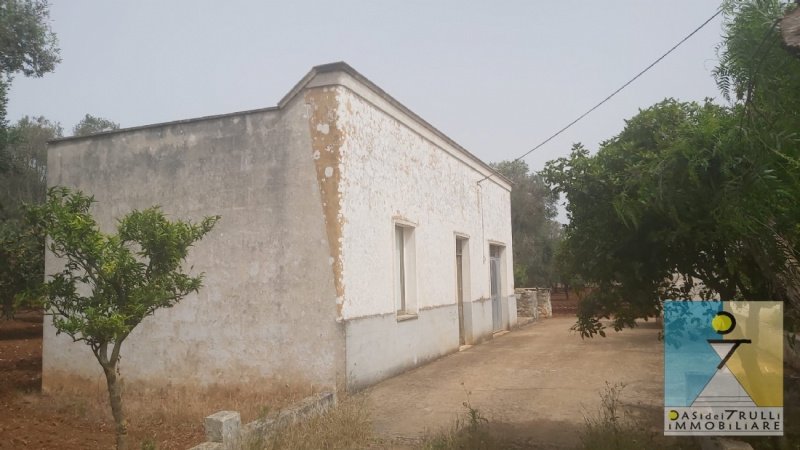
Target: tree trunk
115,396
790,31
8,307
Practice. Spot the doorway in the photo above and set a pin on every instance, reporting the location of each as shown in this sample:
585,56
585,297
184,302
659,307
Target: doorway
495,252
460,289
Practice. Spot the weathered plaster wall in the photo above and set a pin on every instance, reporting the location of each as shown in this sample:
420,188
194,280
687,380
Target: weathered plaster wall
388,171
268,308
326,144
299,281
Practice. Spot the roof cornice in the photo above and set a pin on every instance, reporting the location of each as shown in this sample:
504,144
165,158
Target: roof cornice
325,75
312,79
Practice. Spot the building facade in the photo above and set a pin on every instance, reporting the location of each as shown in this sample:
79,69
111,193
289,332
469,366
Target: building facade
356,240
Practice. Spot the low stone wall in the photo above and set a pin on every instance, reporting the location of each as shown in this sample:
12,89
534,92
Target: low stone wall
544,305
526,302
224,430
533,303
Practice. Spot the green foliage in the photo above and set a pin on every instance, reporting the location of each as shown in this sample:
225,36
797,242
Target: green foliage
4,157
27,44
24,174
111,282
474,417
643,209
22,181
752,50
93,125
707,192
21,265
534,231
765,79
520,274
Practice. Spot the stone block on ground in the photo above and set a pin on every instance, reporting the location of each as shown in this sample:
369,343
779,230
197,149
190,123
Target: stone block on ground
223,427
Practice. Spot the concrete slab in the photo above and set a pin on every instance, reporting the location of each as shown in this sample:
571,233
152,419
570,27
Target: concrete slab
536,383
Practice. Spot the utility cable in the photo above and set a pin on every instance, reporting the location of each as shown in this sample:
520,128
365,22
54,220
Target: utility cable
686,38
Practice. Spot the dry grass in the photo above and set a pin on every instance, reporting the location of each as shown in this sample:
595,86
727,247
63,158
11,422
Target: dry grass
343,427
615,427
460,437
167,417
470,431
174,404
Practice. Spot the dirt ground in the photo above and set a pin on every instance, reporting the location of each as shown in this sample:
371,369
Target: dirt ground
34,420
534,384
537,384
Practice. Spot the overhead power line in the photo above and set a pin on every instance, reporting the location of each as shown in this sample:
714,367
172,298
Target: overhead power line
610,96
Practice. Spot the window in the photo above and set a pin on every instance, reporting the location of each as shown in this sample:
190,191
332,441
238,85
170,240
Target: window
400,264
404,271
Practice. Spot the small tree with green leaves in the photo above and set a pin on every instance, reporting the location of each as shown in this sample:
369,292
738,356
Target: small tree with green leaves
111,282
92,125
21,266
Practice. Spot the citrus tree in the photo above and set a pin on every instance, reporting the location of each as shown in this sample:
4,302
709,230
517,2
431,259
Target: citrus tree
110,282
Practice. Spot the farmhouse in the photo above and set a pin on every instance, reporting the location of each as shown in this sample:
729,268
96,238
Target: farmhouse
356,240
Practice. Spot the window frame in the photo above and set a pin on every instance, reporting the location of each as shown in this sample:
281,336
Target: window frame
404,270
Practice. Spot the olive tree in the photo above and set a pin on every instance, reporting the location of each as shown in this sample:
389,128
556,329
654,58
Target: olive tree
534,229
27,46
110,282
92,125
23,180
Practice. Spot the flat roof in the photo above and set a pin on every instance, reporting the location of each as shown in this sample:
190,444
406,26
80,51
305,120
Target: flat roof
340,66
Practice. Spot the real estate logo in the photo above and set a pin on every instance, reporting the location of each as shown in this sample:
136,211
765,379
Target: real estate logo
723,368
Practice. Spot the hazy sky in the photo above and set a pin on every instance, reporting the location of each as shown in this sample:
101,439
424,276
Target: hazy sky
496,76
